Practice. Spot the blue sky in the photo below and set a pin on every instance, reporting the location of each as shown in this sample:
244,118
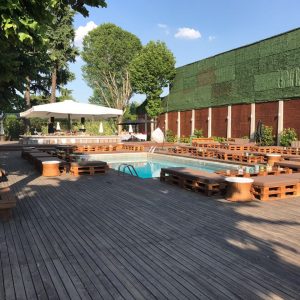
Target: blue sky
192,29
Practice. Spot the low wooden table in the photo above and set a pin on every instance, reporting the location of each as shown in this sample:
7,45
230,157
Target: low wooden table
50,168
238,189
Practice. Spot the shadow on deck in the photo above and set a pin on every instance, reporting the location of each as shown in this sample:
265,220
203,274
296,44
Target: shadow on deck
118,237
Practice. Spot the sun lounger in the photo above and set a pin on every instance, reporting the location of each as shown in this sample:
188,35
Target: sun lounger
88,167
275,187
209,183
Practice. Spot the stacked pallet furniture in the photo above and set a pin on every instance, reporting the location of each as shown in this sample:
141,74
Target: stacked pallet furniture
294,165
88,167
199,181
276,187
7,202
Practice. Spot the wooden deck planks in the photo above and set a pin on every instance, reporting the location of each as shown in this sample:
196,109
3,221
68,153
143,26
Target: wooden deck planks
110,237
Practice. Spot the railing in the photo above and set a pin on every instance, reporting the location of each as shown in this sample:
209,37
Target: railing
131,169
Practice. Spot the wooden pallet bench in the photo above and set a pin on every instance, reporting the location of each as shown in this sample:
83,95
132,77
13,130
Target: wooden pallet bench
275,187
88,167
190,179
7,202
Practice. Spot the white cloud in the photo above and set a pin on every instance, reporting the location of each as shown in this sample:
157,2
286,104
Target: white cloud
211,38
187,33
82,31
164,27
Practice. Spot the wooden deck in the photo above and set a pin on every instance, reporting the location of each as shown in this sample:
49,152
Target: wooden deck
118,237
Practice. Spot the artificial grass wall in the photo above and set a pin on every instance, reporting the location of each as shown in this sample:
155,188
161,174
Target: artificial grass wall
264,71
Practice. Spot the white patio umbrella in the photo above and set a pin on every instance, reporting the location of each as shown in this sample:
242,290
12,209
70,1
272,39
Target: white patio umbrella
101,128
70,109
57,126
130,130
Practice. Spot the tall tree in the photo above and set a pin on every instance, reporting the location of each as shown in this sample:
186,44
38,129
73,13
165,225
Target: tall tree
23,26
152,70
60,35
107,52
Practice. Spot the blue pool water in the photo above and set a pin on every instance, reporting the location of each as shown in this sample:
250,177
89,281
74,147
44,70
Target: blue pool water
149,165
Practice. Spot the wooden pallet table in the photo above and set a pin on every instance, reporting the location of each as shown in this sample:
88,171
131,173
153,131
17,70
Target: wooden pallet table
89,168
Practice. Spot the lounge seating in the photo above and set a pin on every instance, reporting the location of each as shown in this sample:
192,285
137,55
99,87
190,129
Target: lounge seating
276,187
294,165
88,167
7,203
209,183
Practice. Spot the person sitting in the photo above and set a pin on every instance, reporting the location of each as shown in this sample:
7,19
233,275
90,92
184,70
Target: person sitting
51,129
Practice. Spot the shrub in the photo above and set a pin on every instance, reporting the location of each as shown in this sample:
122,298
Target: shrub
13,127
184,139
267,138
198,133
287,136
219,139
170,136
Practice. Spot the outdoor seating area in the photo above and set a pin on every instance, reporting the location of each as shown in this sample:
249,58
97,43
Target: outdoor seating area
67,230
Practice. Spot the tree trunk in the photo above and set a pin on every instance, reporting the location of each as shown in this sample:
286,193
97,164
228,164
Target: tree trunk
119,120
53,85
27,93
27,101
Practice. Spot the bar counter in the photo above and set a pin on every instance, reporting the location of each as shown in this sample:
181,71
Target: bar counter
67,139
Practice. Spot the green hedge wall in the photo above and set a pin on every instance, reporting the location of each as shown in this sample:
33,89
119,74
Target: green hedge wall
264,71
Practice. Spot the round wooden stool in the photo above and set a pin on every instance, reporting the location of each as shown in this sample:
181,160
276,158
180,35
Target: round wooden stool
50,168
238,189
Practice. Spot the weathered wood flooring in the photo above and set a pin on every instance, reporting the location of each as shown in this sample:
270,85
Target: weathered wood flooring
118,237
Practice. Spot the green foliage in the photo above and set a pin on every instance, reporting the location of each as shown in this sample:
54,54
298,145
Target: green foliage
267,138
107,52
170,136
152,70
219,139
13,127
92,127
184,139
130,112
287,136
198,133
154,107
24,45
264,71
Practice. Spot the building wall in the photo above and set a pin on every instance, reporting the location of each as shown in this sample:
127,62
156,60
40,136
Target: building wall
201,116
241,118
268,113
291,115
219,121
185,123
172,121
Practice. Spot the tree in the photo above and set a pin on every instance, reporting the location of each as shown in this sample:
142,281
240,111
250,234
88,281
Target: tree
60,35
107,52
152,70
23,26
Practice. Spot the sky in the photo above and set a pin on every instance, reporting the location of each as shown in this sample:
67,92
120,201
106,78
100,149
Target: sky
192,29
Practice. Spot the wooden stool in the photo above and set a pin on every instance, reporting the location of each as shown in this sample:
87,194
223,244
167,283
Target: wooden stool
238,189
272,158
50,168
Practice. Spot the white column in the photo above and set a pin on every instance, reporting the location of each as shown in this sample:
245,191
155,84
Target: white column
166,122
229,122
280,120
178,124
252,121
146,125
209,122
193,122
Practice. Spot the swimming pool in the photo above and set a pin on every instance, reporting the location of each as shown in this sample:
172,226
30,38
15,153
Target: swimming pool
148,165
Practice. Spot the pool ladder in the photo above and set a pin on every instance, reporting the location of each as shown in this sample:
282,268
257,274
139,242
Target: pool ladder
152,149
130,168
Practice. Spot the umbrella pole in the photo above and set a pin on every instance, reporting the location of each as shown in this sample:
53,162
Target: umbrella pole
69,122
